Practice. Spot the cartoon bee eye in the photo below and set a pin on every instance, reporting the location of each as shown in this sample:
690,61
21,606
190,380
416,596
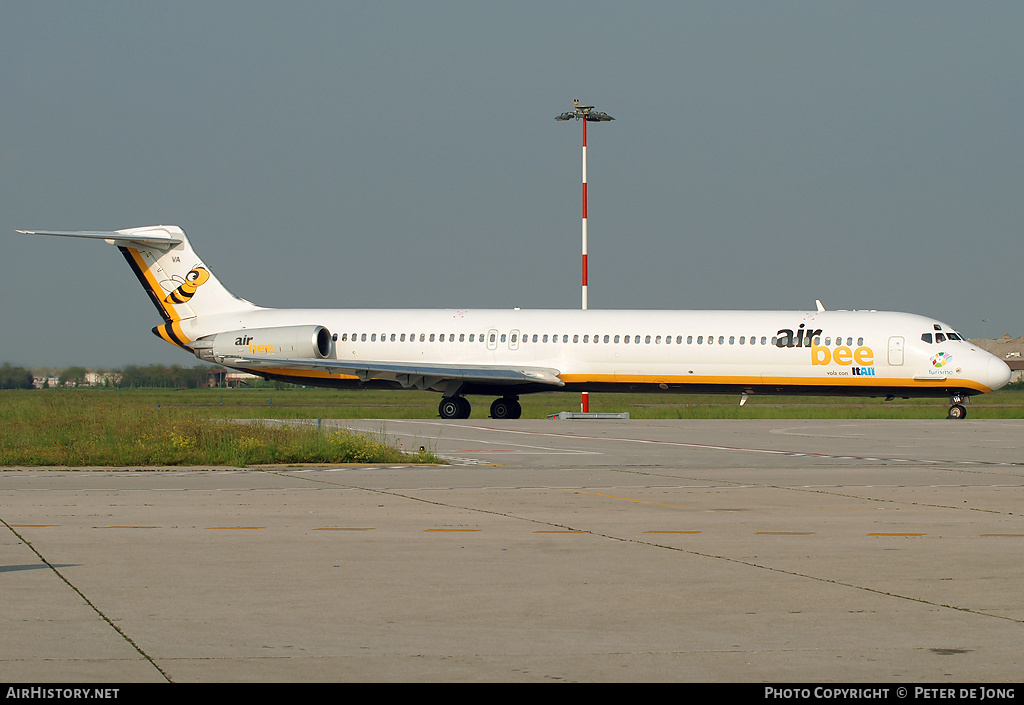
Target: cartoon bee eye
192,276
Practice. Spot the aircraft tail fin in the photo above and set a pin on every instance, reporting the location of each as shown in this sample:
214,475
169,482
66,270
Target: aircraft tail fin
179,284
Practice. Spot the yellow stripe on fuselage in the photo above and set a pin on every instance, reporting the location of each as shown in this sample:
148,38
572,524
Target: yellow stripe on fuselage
758,380
707,380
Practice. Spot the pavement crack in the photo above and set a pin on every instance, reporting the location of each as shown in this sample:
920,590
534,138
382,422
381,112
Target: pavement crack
87,601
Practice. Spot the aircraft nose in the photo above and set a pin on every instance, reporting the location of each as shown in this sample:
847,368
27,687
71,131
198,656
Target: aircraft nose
998,374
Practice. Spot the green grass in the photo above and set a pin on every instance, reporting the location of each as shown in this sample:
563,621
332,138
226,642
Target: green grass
77,427
146,427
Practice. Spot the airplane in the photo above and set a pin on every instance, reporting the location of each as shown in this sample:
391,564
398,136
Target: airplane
508,353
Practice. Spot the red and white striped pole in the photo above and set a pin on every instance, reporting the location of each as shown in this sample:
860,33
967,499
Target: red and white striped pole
585,402
586,113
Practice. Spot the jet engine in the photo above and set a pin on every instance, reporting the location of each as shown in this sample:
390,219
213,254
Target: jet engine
293,342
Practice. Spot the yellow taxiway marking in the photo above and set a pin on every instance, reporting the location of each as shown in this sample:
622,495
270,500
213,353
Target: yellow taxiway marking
343,528
629,499
128,527
785,533
671,532
1004,535
560,531
234,527
32,526
451,529
895,534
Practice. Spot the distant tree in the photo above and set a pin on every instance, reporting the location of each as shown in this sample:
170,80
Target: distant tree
12,377
73,376
160,376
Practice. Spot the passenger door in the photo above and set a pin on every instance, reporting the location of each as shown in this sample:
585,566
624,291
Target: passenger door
896,350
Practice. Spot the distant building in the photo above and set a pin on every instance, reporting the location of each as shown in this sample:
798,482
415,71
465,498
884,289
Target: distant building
1009,350
231,378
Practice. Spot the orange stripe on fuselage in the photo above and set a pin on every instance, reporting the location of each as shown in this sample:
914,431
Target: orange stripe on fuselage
705,380
775,381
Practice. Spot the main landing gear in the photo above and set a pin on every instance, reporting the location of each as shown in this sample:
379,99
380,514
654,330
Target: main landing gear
956,409
459,408
453,408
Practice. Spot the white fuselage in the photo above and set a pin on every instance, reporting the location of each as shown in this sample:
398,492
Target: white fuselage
826,352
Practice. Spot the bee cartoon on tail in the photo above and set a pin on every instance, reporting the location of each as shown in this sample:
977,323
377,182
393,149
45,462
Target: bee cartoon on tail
187,289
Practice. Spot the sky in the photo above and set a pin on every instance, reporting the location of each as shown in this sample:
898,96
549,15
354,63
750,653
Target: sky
405,154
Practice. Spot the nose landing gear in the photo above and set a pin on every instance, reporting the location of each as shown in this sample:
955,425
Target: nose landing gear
956,409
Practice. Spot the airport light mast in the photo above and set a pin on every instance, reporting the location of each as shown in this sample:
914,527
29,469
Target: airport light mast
585,113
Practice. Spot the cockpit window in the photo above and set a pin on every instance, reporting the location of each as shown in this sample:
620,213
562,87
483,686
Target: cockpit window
926,337
954,336
940,338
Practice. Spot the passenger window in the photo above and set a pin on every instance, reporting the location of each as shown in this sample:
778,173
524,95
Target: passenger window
828,341
431,337
535,338
462,337
689,340
860,341
647,340
616,338
721,340
492,337
625,339
586,339
363,338
606,339
503,337
700,340
515,338
575,339
732,340
657,340
743,340
565,338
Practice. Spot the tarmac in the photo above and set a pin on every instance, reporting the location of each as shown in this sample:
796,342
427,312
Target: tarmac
587,551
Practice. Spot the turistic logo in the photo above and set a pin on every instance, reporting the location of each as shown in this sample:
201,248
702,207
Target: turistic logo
941,359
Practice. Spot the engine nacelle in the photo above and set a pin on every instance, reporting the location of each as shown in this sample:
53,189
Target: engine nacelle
295,342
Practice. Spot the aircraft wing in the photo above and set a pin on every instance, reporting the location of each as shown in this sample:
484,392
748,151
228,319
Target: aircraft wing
437,376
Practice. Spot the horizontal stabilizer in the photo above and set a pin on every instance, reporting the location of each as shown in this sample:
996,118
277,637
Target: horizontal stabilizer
121,238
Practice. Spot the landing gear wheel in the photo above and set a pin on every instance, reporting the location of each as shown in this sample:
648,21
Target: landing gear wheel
454,408
506,408
957,412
